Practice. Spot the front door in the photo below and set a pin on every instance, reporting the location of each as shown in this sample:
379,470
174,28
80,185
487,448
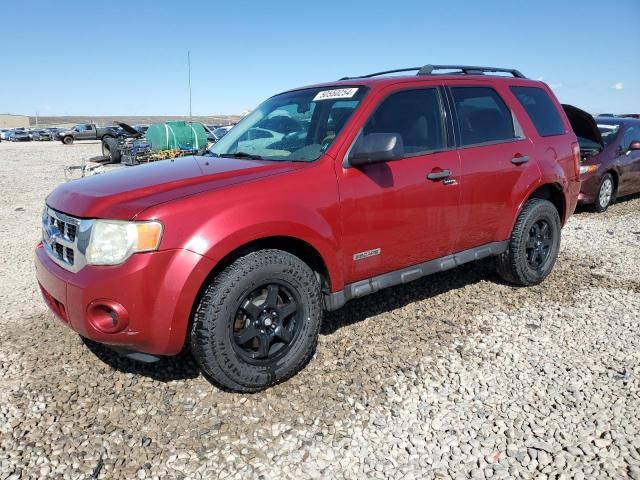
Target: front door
629,163
393,214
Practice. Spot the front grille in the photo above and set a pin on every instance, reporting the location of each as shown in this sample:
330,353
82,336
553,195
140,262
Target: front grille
60,236
67,229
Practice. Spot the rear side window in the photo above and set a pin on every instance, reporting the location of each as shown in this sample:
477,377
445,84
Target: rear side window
482,115
541,110
415,115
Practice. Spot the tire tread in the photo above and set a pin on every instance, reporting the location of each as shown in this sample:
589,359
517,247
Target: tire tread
211,310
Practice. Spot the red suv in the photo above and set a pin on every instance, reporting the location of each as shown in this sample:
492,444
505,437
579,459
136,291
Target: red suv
320,195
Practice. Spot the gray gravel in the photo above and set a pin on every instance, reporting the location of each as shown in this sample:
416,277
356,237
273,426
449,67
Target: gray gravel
454,376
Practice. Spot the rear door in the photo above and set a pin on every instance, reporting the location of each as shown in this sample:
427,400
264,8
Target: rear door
393,214
496,159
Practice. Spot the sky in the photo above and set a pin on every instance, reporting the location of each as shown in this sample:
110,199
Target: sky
130,58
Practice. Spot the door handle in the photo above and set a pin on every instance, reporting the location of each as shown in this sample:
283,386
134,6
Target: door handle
520,159
440,175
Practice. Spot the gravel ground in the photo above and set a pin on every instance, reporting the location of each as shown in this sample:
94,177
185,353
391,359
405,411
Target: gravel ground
453,376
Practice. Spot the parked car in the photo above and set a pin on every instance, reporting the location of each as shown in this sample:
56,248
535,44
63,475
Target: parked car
4,134
124,135
20,136
54,131
610,148
216,132
220,132
86,131
41,135
141,128
237,254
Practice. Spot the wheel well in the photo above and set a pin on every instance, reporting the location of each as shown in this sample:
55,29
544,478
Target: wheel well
294,246
614,174
554,194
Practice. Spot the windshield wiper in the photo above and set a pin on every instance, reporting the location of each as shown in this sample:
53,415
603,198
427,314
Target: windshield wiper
241,155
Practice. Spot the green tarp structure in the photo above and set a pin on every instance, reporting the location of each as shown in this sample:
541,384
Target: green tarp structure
176,135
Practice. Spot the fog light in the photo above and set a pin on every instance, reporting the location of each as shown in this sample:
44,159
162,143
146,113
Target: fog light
107,316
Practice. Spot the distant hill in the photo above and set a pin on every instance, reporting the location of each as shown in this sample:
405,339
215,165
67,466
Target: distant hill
132,120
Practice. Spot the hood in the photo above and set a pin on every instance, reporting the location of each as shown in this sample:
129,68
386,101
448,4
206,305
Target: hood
129,129
123,194
583,124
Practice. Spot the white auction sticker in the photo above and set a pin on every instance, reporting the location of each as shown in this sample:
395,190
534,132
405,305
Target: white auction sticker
336,93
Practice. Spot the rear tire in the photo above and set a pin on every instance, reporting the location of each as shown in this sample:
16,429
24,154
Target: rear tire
606,193
257,322
68,140
534,244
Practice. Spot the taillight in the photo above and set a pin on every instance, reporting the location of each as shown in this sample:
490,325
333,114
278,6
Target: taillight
576,157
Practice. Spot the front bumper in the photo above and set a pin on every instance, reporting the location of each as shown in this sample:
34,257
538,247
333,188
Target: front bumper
590,183
152,293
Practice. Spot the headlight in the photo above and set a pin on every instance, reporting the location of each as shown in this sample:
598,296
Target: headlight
588,169
113,241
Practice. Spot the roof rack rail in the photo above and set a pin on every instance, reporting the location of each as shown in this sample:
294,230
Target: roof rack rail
429,69
469,70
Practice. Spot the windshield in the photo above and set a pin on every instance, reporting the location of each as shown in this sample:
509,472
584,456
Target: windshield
293,126
608,133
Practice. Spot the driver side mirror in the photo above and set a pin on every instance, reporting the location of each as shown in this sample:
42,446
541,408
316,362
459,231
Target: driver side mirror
635,145
376,148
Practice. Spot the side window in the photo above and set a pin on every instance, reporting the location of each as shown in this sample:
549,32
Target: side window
541,110
482,115
415,115
631,135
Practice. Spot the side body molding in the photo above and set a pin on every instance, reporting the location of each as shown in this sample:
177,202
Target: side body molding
335,300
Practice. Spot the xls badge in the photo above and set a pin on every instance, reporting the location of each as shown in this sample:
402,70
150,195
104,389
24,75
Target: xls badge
367,254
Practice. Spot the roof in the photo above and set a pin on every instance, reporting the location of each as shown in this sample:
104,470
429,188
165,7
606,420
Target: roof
394,80
427,72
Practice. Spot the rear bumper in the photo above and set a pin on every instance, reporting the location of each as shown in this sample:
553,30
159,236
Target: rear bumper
151,294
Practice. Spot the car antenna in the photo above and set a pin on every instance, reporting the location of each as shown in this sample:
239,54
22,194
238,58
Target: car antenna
189,83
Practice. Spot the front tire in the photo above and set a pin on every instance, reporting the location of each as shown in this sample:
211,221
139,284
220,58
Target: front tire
67,140
257,322
111,150
606,193
534,244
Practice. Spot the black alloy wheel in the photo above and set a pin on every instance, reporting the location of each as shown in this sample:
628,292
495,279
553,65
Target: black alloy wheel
539,244
266,323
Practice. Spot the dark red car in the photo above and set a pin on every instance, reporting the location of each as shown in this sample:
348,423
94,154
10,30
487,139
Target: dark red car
610,149
320,195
